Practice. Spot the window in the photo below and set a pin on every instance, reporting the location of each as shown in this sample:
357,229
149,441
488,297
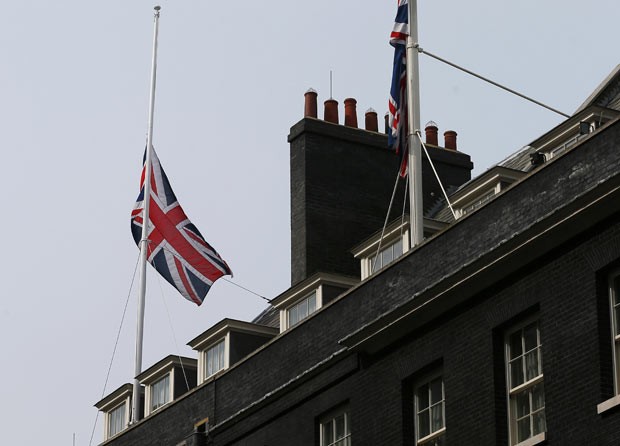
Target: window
387,255
215,358
301,309
117,420
430,424
526,394
160,393
336,430
614,295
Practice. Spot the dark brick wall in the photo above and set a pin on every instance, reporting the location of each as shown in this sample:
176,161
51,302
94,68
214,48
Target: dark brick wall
341,183
277,395
242,344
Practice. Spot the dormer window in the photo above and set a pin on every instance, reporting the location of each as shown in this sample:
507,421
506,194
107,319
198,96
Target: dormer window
215,358
167,380
302,309
159,393
226,343
116,408
306,298
117,419
387,255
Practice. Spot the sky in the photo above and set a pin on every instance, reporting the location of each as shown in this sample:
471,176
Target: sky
74,88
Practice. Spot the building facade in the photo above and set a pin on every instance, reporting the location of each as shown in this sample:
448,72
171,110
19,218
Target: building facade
501,328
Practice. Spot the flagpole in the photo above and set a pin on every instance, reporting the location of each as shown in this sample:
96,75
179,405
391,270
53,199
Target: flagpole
413,120
145,219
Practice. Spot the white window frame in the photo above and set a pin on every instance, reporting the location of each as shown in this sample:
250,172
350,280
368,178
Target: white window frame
374,266
151,387
432,437
614,310
225,341
329,422
527,386
108,419
285,313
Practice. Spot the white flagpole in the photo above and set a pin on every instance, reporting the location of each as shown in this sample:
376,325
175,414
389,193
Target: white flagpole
413,120
145,218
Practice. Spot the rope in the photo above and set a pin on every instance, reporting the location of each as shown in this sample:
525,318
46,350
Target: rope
174,336
387,216
246,289
402,217
118,335
521,95
436,174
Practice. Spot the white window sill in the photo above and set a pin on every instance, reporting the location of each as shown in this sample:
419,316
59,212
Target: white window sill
536,439
607,405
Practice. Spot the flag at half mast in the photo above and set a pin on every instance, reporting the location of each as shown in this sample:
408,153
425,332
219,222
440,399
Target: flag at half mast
176,249
397,135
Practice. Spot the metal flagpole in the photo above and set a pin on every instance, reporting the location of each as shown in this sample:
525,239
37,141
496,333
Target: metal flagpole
145,219
413,121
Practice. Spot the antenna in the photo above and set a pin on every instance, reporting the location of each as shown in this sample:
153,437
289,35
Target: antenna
331,85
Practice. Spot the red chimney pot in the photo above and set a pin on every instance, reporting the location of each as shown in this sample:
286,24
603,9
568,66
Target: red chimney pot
431,134
371,121
350,112
331,111
310,108
450,139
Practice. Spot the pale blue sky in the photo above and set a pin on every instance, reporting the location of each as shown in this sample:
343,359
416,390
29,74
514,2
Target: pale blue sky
74,92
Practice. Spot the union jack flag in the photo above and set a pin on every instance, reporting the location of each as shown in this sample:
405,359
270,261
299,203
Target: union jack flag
176,249
397,136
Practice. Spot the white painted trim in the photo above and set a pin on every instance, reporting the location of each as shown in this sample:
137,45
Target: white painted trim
536,439
608,404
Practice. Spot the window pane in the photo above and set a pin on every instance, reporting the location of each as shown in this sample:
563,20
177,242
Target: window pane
531,365
436,391
538,422
398,248
328,436
538,397
423,424
423,397
436,417
339,427
523,429
530,336
516,372
292,316
388,255
523,404
312,303
515,345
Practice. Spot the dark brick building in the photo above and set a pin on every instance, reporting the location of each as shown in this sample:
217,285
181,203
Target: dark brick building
500,329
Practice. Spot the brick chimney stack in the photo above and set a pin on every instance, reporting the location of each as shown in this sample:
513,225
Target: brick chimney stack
371,121
450,139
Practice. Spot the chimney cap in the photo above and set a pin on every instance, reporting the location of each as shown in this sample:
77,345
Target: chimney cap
310,90
431,124
371,110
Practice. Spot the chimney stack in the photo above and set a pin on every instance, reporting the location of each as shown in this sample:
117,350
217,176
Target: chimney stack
331,111
431,133
371,122
310,108
450,139
350,112
386,121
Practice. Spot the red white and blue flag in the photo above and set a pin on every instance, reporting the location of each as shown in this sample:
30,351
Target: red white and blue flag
176,249
397,135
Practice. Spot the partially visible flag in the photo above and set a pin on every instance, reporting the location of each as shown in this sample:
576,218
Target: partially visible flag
397,136
176,249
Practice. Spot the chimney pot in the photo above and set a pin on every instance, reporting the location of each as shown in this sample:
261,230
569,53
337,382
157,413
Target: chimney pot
310,108
331,111
350,112
386,121
450,139
371,122
431,133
